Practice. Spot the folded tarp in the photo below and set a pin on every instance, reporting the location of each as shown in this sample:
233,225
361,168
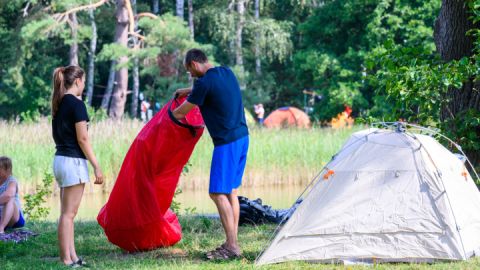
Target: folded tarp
137,216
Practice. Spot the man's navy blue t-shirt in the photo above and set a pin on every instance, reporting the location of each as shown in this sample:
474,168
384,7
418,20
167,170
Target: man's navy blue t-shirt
218,96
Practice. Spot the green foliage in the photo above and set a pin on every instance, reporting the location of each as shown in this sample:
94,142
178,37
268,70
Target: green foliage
186,168
401,60
259,89
166,35
221,28
63,5
113,51
330,57
466,126
325,72
96,115
412,78
405,22
26,71
343,26
415,80
29,117
34,209
176,206
274,38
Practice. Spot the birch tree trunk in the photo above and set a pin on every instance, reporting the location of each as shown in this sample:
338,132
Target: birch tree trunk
108,92
156,7
190,19
258,63
91,57
238,47
135,71
240,25
179,8
231,10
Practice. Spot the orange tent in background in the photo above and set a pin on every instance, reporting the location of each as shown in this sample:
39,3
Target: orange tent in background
287,117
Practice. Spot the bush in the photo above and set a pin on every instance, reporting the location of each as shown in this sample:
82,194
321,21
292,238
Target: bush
34,209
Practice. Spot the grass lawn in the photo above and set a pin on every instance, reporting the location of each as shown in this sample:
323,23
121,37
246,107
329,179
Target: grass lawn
200,235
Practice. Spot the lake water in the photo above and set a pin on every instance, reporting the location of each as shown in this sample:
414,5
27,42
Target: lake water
279,197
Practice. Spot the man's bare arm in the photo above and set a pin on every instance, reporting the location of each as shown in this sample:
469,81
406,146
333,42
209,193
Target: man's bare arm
182,110
183,91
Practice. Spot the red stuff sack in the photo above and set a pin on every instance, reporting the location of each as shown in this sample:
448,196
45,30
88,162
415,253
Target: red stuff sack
137,216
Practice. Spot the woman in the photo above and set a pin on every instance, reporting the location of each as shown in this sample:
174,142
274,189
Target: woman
69,128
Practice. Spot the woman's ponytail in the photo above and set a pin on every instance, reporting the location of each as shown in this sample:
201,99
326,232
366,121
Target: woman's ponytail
58,88
63,79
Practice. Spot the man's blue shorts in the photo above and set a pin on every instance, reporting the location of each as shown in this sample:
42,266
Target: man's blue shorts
228,164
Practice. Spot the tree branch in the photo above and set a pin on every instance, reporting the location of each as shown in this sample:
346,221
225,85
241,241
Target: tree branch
60,17
25,10
146,14
131,20
149,15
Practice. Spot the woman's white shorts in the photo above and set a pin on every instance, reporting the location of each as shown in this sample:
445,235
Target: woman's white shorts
69,171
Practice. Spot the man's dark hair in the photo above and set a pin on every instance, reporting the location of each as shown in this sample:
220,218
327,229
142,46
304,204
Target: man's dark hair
196,55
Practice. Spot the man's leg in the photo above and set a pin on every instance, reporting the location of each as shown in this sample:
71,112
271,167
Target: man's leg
10,215
227,218
233,199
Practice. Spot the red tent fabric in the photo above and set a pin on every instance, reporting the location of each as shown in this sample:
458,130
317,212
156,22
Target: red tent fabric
137,216
287,117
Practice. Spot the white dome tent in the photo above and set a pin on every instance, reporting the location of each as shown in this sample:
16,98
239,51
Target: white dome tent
389,195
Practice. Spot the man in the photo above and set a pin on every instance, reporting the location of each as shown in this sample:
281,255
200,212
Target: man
260,112
217,93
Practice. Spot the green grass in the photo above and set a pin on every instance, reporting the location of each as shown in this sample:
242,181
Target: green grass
275,156
199,235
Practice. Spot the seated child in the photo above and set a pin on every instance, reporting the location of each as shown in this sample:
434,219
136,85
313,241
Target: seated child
10,212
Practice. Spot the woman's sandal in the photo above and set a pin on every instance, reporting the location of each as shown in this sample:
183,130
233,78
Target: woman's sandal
81,262
222,253
73,265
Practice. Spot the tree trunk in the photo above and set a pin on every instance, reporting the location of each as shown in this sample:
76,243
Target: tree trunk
238,47
108,92
72,17
258,63
179,11
91,57
190,19
240,25
136,88
451,27
231,45
119,96
156,7
180,6
135,71
453,43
